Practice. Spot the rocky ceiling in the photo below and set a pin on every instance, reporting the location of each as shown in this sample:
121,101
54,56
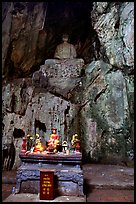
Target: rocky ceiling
69,17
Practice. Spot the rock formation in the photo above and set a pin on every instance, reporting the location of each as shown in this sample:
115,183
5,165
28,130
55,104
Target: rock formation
93,97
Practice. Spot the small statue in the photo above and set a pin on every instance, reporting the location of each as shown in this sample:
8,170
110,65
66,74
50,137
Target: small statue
53,143
65,50
38,147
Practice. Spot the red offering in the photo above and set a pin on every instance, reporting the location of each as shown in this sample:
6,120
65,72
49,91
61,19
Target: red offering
24,145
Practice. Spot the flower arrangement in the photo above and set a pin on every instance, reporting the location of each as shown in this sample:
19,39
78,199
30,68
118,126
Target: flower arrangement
75,143
31,141
74,139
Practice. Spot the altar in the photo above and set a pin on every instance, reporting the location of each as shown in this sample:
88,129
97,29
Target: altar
68,173
58,153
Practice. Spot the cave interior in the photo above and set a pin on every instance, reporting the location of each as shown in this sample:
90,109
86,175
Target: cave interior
72,18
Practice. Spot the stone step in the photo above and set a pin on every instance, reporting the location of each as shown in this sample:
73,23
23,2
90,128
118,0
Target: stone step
99,176
8,180
9,177
114,186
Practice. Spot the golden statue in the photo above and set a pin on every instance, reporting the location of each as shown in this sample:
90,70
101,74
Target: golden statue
54,141
38,147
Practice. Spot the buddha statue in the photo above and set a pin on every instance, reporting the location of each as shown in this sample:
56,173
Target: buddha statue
65,50
65,63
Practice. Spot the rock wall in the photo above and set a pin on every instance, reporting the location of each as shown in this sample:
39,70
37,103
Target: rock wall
106,116
23,36
114,24
109,99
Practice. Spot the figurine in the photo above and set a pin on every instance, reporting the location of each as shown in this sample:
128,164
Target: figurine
54,135
38,147
53,143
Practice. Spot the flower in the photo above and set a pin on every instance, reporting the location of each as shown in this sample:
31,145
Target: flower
37,135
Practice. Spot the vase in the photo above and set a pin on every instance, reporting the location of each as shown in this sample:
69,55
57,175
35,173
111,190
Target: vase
77,146
24,145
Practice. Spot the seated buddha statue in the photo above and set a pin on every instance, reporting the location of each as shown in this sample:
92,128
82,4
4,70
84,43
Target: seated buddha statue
65,50
65,63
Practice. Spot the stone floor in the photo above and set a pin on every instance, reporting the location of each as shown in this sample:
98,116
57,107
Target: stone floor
103,183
